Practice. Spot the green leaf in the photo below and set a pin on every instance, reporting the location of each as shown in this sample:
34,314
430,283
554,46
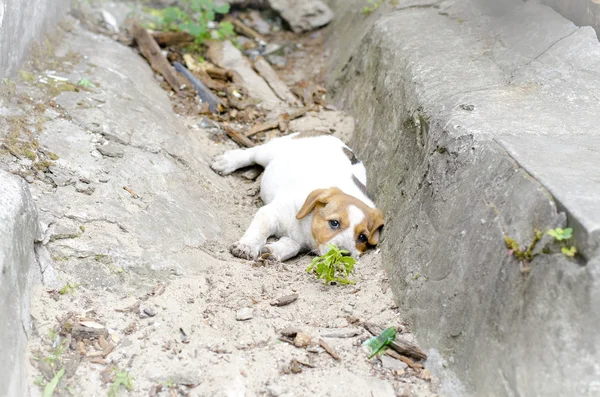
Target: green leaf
567,233
209,15
224,9
226,30
50,387
194,29
171,15
569,251
85,83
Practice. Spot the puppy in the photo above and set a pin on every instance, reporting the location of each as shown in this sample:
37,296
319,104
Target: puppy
314,190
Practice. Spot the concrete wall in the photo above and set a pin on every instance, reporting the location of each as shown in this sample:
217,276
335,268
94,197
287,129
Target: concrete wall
18,231
581,12
471,119
21,22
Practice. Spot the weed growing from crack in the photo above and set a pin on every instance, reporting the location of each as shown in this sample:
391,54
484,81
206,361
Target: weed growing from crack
562,235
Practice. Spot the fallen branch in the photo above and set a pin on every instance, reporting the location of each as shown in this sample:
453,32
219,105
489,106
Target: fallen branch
151,51
329,350
272,124
404,359
399,344
241,28
238,137
165,39
214,103
279,87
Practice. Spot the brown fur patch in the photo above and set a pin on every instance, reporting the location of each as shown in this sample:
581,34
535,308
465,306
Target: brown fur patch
332,204
310,134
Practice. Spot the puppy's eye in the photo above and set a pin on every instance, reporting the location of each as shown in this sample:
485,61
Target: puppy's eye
334,224
362,238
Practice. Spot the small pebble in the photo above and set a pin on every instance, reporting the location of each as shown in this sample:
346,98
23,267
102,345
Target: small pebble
149,312
302,339
244,314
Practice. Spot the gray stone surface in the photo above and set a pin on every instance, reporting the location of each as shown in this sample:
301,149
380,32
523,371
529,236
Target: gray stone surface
581,12
18,232
478,122
22,22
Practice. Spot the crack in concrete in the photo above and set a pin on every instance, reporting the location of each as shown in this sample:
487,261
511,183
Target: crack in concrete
92,220
512,74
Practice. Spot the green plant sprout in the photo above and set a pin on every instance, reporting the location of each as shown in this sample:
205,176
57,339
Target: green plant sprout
51,386
121,378
333,266
197,17
562,235
373,6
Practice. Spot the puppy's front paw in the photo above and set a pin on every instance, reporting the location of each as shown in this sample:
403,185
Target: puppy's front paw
243,251
231,160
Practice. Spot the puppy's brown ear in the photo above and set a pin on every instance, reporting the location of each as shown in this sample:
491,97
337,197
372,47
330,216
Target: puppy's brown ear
376,225
318,196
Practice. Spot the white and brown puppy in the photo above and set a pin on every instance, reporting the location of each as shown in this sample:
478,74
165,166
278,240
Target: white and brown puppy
314,190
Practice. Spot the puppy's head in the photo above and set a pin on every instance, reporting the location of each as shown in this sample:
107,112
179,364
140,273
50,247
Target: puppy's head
342,220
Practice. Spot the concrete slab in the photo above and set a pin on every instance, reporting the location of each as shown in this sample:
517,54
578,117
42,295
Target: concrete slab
22,22
476,121
18,232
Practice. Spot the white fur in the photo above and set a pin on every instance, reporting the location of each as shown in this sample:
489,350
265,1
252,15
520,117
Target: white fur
293,169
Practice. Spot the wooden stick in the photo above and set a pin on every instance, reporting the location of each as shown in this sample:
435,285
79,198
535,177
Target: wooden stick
267,125
152,53
244,29
399,344
165,39
329,350
272,124
404,359
279,87
239,138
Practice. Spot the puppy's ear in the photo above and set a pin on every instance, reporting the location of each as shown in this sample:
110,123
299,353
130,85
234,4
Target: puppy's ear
318,196
376,225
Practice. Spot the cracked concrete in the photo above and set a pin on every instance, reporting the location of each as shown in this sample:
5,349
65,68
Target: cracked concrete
473,118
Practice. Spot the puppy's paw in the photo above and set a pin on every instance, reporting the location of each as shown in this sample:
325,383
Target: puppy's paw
226,163
268,253
243,251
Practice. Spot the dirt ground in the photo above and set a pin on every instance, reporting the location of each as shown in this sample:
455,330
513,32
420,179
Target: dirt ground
206,327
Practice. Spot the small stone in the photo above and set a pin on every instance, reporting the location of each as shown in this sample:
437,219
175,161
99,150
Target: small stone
290,332
85,189
29,178
302,339
149,312
391,363
425,375
252,173
284,300
244,314
275,390
277,60
348,309
111,151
